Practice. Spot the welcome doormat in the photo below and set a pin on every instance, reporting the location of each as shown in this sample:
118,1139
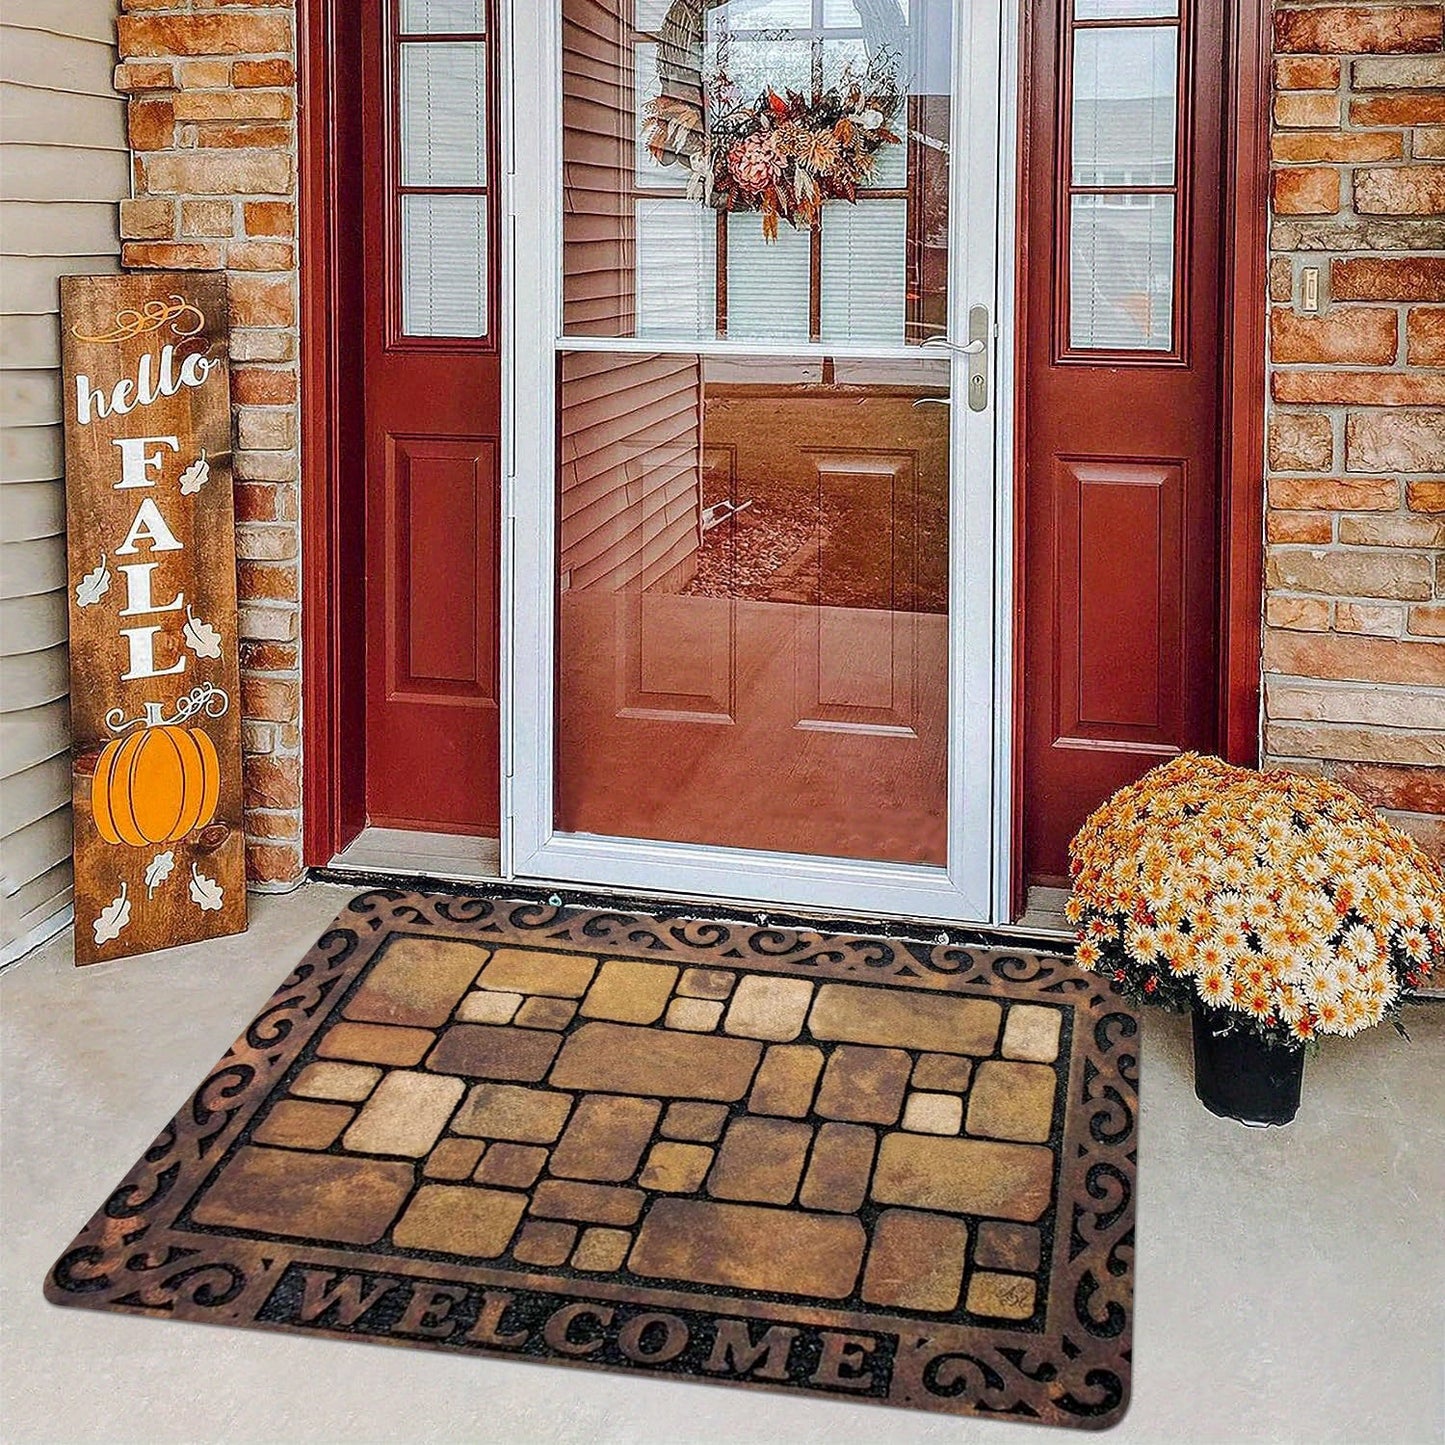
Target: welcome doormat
868,1168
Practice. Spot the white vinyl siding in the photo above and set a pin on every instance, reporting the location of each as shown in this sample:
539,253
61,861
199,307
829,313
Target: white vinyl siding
63,166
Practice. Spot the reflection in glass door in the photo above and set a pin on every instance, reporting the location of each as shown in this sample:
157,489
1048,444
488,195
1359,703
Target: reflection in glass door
768,171
753,606
756,605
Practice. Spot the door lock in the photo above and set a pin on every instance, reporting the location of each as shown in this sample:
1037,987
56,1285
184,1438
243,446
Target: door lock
978,334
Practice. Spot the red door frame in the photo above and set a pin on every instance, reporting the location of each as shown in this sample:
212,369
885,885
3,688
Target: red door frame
1246,321
332,277
333,468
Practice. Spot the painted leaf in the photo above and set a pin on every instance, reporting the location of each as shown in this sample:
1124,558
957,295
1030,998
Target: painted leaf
196,475
113,919
158,870
206,892
93,586
201,637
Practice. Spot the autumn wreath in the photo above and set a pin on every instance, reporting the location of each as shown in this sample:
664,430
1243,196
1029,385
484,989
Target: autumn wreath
1281,901
783,154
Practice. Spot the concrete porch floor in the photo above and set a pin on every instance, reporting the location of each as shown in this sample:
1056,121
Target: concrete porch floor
1290,1284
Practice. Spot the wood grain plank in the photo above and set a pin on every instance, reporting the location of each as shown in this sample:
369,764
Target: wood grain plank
140,669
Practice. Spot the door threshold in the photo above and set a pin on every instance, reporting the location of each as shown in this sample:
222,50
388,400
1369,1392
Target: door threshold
1044,911
557,894
452,856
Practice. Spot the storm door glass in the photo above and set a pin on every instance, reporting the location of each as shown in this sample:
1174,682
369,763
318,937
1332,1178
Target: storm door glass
754,465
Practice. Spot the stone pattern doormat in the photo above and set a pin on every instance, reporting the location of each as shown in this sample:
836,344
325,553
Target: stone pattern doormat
857,1166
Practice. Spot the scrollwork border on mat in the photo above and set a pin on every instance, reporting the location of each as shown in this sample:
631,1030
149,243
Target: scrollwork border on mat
1074,1373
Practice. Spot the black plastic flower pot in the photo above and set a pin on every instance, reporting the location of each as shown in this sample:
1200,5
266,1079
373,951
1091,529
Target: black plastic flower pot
1239,1076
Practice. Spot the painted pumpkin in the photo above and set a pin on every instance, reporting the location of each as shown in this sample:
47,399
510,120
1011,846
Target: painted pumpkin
156,785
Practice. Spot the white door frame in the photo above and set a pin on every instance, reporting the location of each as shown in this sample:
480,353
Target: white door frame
975,887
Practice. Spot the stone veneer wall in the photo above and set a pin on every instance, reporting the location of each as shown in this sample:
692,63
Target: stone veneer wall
1354,640
1354,626
212,92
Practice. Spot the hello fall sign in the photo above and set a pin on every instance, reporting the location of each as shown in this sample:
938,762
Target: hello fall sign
154,673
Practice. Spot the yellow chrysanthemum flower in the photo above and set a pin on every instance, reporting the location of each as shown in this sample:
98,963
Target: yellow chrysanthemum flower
1213,986
1282,896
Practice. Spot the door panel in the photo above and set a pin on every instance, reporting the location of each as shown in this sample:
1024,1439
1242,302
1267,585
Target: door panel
433,404
443,595
1120,394
1120,647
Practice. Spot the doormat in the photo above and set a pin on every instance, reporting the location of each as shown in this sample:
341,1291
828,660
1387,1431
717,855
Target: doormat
861,1167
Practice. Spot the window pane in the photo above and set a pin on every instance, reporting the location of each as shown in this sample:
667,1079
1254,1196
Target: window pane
764,14
1124,106
443,17
737,71
845,60
676,269
650,171
864,276
752,608
1124,9
444,265
767,282
655,109
852,13
443,115
1121,273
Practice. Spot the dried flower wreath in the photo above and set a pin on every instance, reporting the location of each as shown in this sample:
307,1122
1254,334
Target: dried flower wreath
783,154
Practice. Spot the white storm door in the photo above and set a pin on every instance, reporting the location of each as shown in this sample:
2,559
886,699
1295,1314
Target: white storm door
752,253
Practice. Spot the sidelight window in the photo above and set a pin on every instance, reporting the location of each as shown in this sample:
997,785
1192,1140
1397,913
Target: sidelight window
1122,214
440,85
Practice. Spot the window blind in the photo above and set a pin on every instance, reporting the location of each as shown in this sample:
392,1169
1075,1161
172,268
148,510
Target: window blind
443,17
444,265
1124,106
767,282
676,268
864,272
1121,272
443,114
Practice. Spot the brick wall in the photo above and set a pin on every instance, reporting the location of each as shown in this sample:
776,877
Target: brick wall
212,103
1354,617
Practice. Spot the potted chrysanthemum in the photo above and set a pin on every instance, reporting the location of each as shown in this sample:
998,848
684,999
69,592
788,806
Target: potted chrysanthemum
1276,908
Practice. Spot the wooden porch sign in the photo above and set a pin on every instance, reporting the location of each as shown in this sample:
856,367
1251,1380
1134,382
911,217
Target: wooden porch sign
154,675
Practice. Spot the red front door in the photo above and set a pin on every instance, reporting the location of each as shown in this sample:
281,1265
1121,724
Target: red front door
1121,395
433,407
